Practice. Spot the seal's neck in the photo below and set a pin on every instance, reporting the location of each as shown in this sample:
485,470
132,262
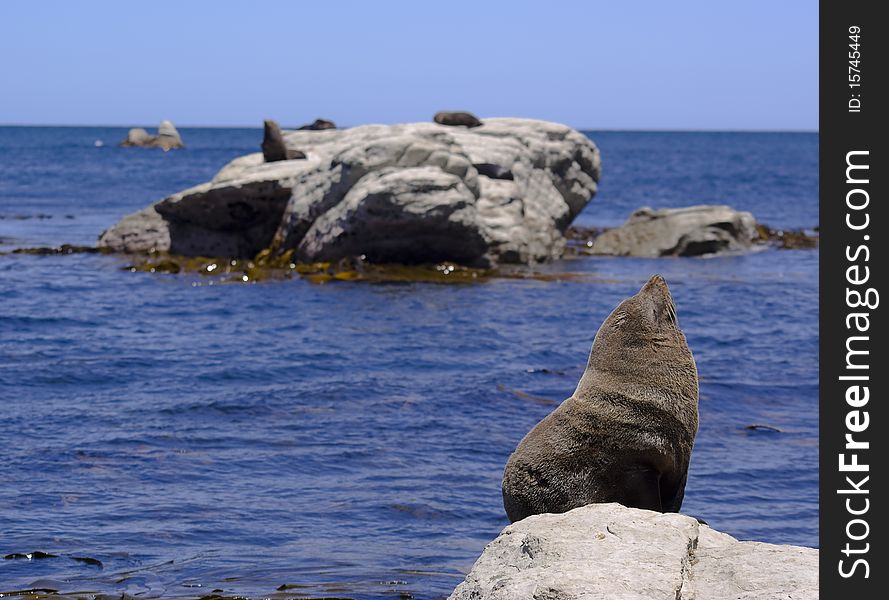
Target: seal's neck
673,388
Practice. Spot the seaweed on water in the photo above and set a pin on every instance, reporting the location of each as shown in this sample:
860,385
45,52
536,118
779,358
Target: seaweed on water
267,266
63,249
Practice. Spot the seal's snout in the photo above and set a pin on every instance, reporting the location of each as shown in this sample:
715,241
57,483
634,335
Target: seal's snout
657,292
656,285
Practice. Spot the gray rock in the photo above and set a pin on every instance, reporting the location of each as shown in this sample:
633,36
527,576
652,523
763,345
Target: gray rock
690,231
402,193
144,231
608,551
413,215
167,138
137,136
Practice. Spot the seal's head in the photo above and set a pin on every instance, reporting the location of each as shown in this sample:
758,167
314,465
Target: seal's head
648,316
640,346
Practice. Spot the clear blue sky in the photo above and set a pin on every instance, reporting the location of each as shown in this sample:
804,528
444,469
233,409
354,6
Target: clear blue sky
617,64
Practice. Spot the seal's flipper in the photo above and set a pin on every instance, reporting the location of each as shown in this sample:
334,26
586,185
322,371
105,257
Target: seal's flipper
641,488
673,501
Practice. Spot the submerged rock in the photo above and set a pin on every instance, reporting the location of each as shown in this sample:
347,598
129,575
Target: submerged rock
610,551
396,193
690,231
167,138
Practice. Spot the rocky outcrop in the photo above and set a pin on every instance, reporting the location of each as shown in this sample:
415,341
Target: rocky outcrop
690,231
167,138
501,192
604,551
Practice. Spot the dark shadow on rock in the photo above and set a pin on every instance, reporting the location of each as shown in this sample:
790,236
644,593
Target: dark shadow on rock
234,222
493,171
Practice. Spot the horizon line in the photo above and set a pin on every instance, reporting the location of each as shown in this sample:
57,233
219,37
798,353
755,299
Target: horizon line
601,129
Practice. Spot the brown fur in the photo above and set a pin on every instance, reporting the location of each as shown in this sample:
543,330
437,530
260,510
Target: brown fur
273,146
463,119
627,432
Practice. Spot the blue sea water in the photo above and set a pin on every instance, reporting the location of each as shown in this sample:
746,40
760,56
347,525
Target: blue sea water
348,439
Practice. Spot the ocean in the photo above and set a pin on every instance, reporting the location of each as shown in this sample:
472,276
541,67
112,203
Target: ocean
295,440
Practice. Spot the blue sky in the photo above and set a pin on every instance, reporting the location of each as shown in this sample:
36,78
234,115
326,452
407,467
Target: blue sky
600,65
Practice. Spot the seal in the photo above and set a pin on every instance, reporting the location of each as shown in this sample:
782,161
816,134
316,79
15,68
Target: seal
318,125
465,119
626,434
273,146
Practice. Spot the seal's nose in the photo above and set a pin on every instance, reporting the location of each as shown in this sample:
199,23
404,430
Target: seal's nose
657,293
656,283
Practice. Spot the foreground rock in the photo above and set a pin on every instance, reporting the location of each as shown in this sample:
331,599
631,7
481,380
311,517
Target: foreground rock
167,138
690,231
393,193
604,551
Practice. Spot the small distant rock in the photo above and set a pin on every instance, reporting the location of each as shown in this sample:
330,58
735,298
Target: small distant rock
167,138
464,119
690,231
318,125
137,137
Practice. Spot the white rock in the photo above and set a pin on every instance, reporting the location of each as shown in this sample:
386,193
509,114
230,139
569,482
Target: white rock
690,231
416,215
608,551
167,138
144,231
137,136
